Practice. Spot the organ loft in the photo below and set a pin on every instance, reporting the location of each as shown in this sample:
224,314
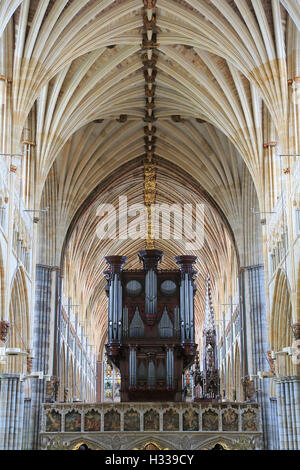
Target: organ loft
151,334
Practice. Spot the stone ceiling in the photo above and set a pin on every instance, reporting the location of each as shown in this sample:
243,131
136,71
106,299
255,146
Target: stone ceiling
222,75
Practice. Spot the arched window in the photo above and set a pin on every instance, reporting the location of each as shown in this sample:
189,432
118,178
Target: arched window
281,321
18,336
112,383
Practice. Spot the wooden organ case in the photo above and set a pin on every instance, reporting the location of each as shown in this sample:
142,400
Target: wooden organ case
151,337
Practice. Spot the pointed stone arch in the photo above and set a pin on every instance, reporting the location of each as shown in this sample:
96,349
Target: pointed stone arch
19,333
74,445
281,323
209,444
156,441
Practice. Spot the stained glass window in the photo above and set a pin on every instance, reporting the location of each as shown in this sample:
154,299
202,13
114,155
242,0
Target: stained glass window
112,383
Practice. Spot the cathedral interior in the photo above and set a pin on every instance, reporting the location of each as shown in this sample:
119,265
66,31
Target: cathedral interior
120,341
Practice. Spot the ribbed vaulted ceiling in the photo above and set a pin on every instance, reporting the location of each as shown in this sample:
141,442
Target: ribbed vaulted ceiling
223,67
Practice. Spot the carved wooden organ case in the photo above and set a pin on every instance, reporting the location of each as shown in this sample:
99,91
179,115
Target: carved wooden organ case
151,337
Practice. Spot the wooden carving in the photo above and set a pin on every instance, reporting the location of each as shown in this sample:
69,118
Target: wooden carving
149,348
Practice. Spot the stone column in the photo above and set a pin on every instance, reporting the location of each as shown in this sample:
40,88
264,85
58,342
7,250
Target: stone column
44,348
274,424
26,424
99,381
256,340
288,394
11,411
296,405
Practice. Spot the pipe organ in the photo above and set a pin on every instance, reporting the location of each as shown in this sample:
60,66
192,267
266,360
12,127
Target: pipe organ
151,335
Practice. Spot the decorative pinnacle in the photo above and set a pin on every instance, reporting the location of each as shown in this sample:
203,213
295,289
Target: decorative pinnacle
209,310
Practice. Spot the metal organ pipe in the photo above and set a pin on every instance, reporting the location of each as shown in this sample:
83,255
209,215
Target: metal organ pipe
186,264
110,311
151,292
182,310
172,366
115,296
119,306
168,377
187,306
125,322
191,310
115,307
132,366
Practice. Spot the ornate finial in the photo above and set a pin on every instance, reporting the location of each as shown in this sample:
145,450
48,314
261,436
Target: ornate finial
150,245
209,310
210,361
149,195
